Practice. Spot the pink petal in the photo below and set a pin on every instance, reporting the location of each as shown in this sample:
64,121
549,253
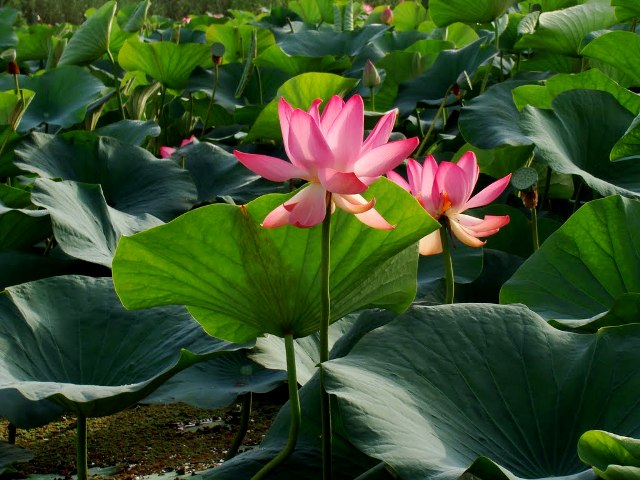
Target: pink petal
308,207
373,219
469,165
284,114
308,148
429,190
414,174
380,133
353,203
166,152
271,168
345,134
464,234
278,217
431,244
483,227
380,160
331,111
340,182
187,141
314,112
453,181
488,194
397,179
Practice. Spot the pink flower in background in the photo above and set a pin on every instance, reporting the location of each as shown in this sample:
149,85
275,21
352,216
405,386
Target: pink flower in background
445,190
166,152
386,16
328,151
367,8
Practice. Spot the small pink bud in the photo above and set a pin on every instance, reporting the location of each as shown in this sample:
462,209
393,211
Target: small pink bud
386,16
370,75
367,8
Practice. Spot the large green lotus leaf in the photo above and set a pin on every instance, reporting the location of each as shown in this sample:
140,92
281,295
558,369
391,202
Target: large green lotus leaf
491,387
237,40
543,61
84,225
582,268
443,73
541,96
91,40
626,9
617,48
218,382
623,311
134,132
241,280
490,120
217,173
20,267
300,92
407,16
62,96
34,42
133,20
446,12
563,31
169,63
318,43
270,350
613,457
132,179
21,225
295,65
69,341
313,11
577,136
628,147
12,454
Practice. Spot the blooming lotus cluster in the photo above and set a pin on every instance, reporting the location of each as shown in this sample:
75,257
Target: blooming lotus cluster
328,151
445,190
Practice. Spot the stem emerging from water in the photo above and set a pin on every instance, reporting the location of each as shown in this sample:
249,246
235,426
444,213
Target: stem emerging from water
81,448
294,409
325,302
448,264
244,426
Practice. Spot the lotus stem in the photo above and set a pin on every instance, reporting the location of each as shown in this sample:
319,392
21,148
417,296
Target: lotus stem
448,264
81,448
116,84
325,303
213,95
534,229
13,432
244,426
294,410
376,471
433,124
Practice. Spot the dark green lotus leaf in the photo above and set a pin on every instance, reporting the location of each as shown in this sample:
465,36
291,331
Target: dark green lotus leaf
270,351
133,132
132,180
626,9
84,225
563,31
582,268
490,120
623,311
442,389
21,225
241,280
229,76
217,383
80,349
577,136
12,454
300,92
446,12
34,42
295,65
616,48
628,147
169,63
318,43
91,40
543,61
62,96
541,96
467,265
134,21
305,462
237,39
218,173
612,457
445,71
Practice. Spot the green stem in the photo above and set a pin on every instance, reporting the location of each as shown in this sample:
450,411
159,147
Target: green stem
534,229
116,84
213,95
433,124
325,302
294,410
13,432
448,264
244,426
81,448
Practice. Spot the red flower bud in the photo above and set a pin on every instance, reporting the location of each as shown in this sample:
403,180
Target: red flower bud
12,68
386,16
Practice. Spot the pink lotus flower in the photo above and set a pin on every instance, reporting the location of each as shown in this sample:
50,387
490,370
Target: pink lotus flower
328,151
445,191
166,152
367,8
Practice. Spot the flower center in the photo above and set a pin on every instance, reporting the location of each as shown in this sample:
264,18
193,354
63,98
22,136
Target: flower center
445,204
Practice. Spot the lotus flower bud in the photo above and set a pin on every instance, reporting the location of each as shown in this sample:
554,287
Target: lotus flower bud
217,52
370,75
386,16
10,56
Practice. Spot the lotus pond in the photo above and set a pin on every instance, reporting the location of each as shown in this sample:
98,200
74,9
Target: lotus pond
420,221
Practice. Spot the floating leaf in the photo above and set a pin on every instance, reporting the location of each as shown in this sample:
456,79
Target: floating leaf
241,280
